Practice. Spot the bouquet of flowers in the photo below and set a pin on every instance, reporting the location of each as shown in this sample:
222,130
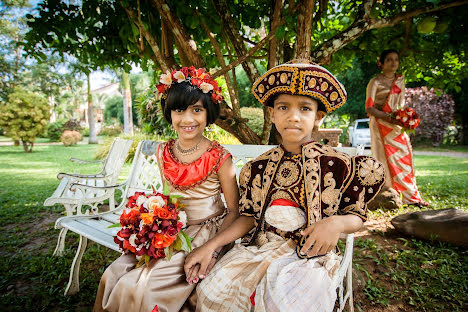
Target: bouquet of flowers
408,117
152,226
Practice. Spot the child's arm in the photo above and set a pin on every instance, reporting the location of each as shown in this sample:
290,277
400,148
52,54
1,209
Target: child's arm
227,178
203,254
324,234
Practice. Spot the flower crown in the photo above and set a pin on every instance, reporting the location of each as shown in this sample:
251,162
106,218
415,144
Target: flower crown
196,77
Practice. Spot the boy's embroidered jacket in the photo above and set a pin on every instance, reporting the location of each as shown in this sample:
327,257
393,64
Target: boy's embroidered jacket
335,184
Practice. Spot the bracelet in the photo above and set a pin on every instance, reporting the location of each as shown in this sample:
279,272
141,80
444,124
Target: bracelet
215,254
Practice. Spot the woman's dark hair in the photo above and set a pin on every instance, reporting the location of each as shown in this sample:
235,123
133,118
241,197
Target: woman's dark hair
320,105
182,95
385,53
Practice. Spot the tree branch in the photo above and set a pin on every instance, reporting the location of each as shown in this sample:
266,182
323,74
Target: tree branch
165,63
183,39
230,27
362,24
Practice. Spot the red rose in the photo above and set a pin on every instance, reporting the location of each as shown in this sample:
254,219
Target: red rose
161,88
185,71
196,81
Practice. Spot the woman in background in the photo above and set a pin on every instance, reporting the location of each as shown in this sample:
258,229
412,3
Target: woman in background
391,146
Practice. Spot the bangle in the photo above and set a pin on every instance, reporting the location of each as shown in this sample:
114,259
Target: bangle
215,254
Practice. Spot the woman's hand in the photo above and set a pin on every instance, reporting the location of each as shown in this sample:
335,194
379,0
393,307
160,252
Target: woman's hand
322,235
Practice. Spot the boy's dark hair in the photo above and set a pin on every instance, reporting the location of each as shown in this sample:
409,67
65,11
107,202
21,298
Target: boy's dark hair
385,53
320,105
182,95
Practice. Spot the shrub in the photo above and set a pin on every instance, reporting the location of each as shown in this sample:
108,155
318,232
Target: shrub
435,108
111,131
85,132
72,125
255,117
54,130
24,117
338,121
70,137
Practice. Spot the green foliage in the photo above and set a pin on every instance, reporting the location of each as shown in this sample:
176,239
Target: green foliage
24,117
111,131
72,125
255,116
113,111
54,130
342,122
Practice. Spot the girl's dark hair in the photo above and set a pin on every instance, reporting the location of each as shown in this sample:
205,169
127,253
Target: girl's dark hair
182,95
384,54
320,105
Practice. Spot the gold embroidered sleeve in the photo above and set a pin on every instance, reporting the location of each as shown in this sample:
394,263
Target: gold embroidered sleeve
364,183
245,198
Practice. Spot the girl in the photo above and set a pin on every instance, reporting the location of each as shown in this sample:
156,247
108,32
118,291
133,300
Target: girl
386,94
194,167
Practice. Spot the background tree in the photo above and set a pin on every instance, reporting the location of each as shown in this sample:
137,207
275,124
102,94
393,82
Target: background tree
24,117
256,35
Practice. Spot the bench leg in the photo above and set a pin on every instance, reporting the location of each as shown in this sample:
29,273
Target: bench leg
60,242
349,286
74,281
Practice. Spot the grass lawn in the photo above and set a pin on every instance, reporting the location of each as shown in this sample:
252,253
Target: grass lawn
428,276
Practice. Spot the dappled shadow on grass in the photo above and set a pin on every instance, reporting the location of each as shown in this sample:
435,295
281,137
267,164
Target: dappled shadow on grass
393,273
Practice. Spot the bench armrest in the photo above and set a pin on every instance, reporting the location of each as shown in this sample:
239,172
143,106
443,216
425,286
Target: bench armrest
62,175
82,161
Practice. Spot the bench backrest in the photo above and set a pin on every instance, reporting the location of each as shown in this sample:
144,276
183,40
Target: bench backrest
115,159
145,173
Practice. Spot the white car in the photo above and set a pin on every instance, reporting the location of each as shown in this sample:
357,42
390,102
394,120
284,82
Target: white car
360,133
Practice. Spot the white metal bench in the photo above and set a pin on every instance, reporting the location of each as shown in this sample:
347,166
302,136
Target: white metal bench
143,174
70,198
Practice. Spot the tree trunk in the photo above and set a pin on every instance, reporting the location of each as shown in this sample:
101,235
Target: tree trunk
28,146
127,104
92,127
304,29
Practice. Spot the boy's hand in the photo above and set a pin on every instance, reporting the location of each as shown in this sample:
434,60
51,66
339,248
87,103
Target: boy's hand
198,263
322,235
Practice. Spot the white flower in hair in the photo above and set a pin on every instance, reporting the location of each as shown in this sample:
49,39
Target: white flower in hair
179,76
206,87
166,79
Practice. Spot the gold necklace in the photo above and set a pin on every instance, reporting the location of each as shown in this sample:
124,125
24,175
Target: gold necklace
187,151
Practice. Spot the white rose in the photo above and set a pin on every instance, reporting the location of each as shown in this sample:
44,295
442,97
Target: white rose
410,113
179,76
140,200
206,87
183,218
166,79
404,119
154,202
412,122
398,117
132,239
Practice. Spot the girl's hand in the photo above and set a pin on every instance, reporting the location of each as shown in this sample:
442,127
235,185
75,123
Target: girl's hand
322,235
199,262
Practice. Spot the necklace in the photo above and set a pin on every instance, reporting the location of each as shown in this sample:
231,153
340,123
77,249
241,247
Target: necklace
187,151
386,77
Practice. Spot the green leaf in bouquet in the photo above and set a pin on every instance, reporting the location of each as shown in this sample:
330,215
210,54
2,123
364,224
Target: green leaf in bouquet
186,241
177,243
168,251
114,225
143,260
158,186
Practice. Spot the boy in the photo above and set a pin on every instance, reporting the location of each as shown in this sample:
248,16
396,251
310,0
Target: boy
296,200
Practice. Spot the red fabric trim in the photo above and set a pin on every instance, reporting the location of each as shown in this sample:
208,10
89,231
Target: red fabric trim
387,108
401,139
252,298
398,187
416,198
369,102
409,179
283,202
182,175
394,170
406,160
395,88
390,150
384,130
